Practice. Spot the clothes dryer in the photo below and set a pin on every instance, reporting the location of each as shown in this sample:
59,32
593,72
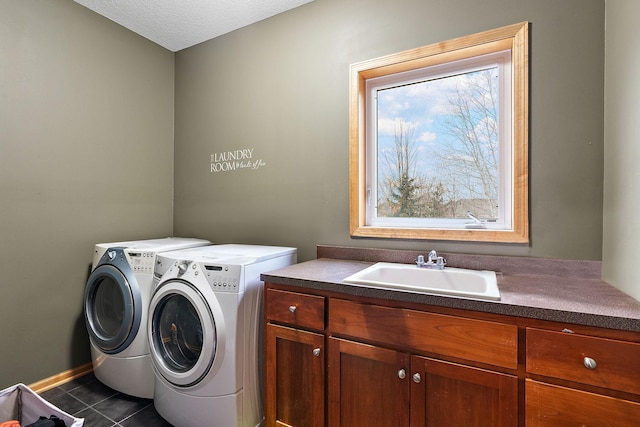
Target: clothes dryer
205,334
116,302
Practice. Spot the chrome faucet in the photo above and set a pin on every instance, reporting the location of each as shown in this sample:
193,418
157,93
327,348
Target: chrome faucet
433,262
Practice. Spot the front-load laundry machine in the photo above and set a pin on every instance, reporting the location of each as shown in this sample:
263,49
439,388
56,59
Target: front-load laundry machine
116,303
205,334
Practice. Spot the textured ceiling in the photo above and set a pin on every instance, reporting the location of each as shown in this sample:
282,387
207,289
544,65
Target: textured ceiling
179,24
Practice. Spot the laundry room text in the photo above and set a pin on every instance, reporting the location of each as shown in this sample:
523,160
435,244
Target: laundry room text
229,161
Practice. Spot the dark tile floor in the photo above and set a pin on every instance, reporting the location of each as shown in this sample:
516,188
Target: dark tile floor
100,406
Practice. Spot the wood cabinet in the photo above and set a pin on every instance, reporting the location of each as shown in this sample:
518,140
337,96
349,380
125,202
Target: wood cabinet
369,383
449,394
294,308
376,369
294,377
333,360
294,360
481,341
549,405
601,362
611,365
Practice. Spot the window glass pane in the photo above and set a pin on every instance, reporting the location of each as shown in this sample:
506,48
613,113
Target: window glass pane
438,147
441,145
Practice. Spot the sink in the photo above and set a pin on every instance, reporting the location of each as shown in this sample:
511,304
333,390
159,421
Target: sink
479,284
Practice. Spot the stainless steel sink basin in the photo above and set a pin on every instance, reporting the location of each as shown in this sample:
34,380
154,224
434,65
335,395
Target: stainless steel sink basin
479,284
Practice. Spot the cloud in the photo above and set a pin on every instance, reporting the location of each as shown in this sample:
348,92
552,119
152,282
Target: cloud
394,105
389,126
427,137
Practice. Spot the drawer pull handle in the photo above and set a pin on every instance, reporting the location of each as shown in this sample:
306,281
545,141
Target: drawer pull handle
402,374
417,378
589,363
293,308
316,352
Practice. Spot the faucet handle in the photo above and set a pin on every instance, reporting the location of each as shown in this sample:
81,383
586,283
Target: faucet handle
433,262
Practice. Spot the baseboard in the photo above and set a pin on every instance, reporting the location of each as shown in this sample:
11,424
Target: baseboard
61,378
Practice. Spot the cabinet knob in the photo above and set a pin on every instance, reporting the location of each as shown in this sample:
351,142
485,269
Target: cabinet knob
589,363
416,378
293,308
402,374
316,352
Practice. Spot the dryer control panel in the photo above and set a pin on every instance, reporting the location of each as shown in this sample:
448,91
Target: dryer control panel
141,261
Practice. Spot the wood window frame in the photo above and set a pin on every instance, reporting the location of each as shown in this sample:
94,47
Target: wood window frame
514,37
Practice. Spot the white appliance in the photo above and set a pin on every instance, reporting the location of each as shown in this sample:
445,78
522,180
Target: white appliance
205,334
116,303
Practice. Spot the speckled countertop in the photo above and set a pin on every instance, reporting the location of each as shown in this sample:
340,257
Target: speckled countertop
555,290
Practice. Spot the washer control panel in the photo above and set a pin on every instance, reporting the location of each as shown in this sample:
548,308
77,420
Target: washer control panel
142,262
223,277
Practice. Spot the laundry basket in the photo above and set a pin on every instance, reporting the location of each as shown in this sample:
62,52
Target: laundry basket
20,403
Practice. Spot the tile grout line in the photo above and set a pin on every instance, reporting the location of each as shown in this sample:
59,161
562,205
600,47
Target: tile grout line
92,407
83,392
137,412
88,406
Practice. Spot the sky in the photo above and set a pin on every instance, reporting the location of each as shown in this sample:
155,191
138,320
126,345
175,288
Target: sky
422,109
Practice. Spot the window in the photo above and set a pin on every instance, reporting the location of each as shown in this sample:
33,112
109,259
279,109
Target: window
438,141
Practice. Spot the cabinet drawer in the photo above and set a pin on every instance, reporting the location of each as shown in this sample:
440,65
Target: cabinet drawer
614,364
481,341
552,406
294,308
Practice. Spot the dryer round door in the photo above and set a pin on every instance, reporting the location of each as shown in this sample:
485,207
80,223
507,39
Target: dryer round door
110,309
184,334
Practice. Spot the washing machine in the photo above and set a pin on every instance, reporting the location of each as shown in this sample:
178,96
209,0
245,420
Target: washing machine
206,334
116,303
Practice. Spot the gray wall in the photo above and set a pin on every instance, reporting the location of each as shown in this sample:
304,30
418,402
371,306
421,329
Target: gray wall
86,155
280,87
622,181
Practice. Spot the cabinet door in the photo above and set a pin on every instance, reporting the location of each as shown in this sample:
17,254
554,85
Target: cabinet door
367,385
554,406
453,395
294,377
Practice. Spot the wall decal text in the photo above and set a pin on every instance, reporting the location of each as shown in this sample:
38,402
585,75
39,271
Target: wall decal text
229,161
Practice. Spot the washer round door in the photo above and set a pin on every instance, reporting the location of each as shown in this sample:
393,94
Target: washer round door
110,309
183,333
